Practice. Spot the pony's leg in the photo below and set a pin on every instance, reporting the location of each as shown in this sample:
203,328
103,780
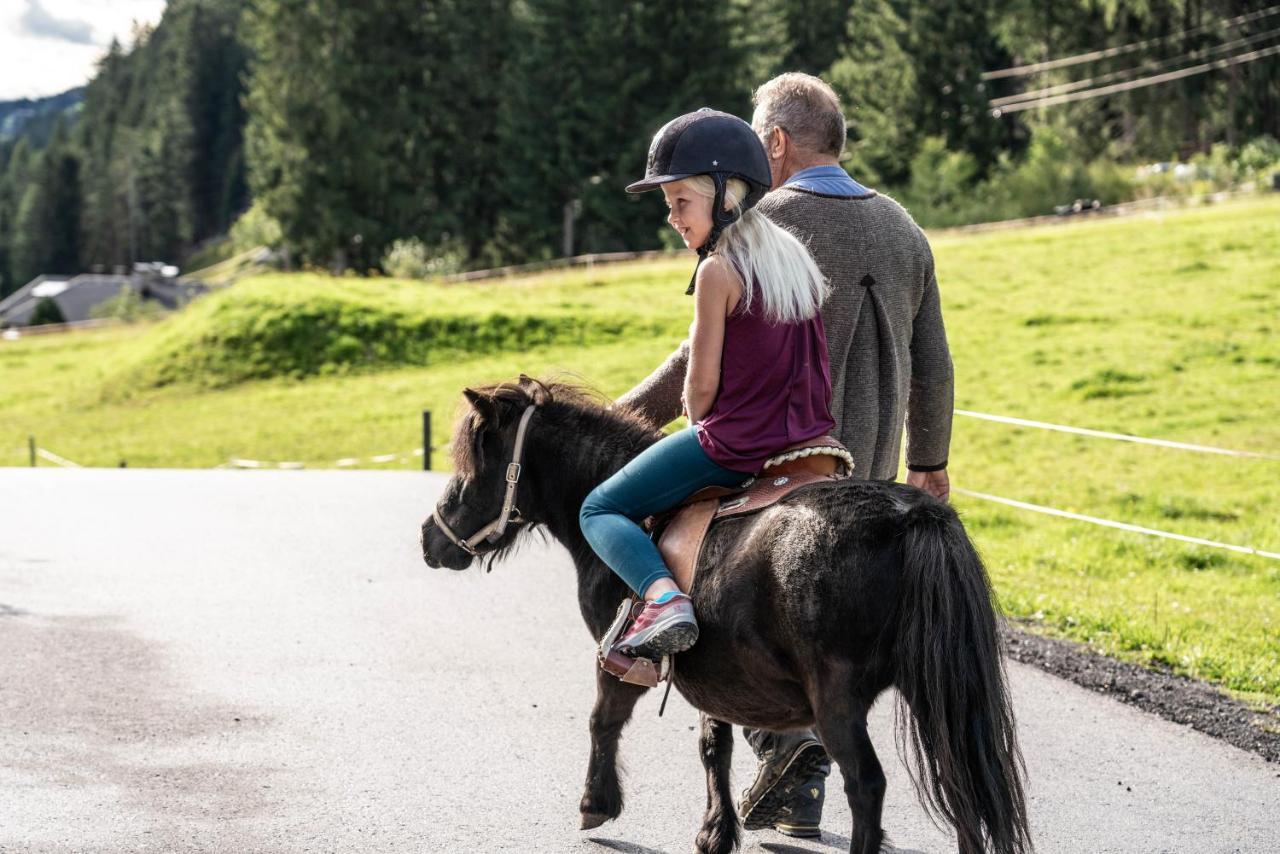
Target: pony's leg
842,725
719,833
615,701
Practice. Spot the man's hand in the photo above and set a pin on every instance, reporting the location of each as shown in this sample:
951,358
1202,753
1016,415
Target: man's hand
936,483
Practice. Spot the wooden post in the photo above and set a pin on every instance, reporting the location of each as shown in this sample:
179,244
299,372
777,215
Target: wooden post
31,449
426,440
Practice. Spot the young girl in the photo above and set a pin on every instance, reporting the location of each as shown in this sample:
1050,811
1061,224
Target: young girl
758,379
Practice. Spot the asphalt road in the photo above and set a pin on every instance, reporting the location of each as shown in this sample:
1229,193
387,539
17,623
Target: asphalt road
260,661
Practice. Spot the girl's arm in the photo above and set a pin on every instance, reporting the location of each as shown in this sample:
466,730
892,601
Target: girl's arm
716,293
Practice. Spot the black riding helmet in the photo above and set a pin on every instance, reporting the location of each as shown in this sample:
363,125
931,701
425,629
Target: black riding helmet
719,145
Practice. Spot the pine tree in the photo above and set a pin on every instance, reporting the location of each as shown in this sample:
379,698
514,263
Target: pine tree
950,45
161,132
13,182
589,87
46,226
336,142
876,81
814,29
109,173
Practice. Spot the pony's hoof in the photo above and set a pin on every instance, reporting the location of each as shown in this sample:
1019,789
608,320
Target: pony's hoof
592,820
716,840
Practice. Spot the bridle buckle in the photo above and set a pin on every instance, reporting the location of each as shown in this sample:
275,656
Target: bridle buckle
513,472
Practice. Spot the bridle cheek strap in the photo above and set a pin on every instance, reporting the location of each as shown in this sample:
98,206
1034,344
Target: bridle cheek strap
493,531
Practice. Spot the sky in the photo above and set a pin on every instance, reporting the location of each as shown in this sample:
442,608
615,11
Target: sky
50,46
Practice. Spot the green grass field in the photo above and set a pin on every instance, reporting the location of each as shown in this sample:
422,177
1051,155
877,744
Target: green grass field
1157,325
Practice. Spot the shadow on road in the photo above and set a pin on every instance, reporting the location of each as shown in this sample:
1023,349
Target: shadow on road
619,845
827,840
92,707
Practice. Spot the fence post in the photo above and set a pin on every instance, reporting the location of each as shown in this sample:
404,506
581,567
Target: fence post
31,449
426,440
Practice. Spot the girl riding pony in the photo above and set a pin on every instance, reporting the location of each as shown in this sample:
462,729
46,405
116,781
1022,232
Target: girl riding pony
758,379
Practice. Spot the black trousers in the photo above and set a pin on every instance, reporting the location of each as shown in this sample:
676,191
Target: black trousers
769,744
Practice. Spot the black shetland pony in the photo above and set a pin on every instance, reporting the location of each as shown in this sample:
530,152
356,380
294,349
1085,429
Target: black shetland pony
808,611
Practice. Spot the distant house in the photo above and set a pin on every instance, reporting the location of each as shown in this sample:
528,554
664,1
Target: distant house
77,296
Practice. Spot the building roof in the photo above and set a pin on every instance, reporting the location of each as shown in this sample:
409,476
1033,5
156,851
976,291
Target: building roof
77,296
24,293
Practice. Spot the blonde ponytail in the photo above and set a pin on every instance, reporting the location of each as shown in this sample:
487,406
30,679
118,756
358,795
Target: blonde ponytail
791,285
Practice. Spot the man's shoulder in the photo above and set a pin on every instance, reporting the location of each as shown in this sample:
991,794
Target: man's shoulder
793,206
787,198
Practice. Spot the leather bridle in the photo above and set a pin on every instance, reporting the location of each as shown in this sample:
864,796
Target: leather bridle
509,515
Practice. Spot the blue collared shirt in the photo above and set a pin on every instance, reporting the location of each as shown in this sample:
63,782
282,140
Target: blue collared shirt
828,180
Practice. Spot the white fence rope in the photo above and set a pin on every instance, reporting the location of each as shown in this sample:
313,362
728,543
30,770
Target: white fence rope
345,462
46,454
1123,437
1123,526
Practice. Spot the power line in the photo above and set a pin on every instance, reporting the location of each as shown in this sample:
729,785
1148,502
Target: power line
1049,65
1139,83
1130,72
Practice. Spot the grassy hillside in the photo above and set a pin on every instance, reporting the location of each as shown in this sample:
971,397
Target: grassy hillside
298,326
1160,325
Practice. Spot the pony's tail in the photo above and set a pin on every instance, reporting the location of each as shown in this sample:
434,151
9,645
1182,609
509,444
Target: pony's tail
958,720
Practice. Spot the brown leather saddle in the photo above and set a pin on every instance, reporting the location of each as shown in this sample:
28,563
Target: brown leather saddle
681,531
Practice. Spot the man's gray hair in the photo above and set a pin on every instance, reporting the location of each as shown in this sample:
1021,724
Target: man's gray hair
806,108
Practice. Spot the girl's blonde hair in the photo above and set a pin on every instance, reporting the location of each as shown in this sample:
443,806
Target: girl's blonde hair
791,285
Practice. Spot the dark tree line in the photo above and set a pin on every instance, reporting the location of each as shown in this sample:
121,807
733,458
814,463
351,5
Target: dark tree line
149,164
504,130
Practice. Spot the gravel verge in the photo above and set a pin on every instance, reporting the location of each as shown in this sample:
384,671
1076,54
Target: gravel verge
1175,698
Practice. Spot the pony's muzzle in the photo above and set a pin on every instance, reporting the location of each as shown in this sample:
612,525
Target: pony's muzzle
438,552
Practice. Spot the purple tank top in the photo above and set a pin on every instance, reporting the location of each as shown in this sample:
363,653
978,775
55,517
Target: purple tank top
775,388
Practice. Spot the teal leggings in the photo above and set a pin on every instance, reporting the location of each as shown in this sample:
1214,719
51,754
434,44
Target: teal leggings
662,476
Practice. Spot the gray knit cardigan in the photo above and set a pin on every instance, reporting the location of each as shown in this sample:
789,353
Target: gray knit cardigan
889,358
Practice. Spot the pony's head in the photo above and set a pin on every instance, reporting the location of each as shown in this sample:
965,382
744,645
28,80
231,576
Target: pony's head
479,514
519,450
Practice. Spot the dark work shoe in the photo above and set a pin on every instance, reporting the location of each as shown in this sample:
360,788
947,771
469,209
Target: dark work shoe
802,816
661,629
783,770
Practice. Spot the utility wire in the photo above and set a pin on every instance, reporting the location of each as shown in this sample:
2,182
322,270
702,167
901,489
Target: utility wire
1139,83
1048,65
1121,74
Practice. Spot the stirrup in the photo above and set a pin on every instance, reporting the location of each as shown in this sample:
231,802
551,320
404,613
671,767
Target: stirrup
641,671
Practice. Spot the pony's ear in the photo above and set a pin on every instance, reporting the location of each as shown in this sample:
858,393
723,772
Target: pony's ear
486,407
537,392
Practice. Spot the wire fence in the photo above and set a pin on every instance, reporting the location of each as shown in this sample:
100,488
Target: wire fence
1120,437
344,462
1111,523
37,452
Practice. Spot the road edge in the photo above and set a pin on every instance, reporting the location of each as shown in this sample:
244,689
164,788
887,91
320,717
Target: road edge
1179,699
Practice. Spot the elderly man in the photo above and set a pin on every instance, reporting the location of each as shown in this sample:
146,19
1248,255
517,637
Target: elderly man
890,363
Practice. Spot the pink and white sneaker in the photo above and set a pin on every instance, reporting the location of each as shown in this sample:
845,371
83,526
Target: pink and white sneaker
661,629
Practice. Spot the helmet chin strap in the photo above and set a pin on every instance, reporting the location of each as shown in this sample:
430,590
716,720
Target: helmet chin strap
720,220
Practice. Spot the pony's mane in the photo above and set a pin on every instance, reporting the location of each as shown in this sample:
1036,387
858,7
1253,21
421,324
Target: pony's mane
582,403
